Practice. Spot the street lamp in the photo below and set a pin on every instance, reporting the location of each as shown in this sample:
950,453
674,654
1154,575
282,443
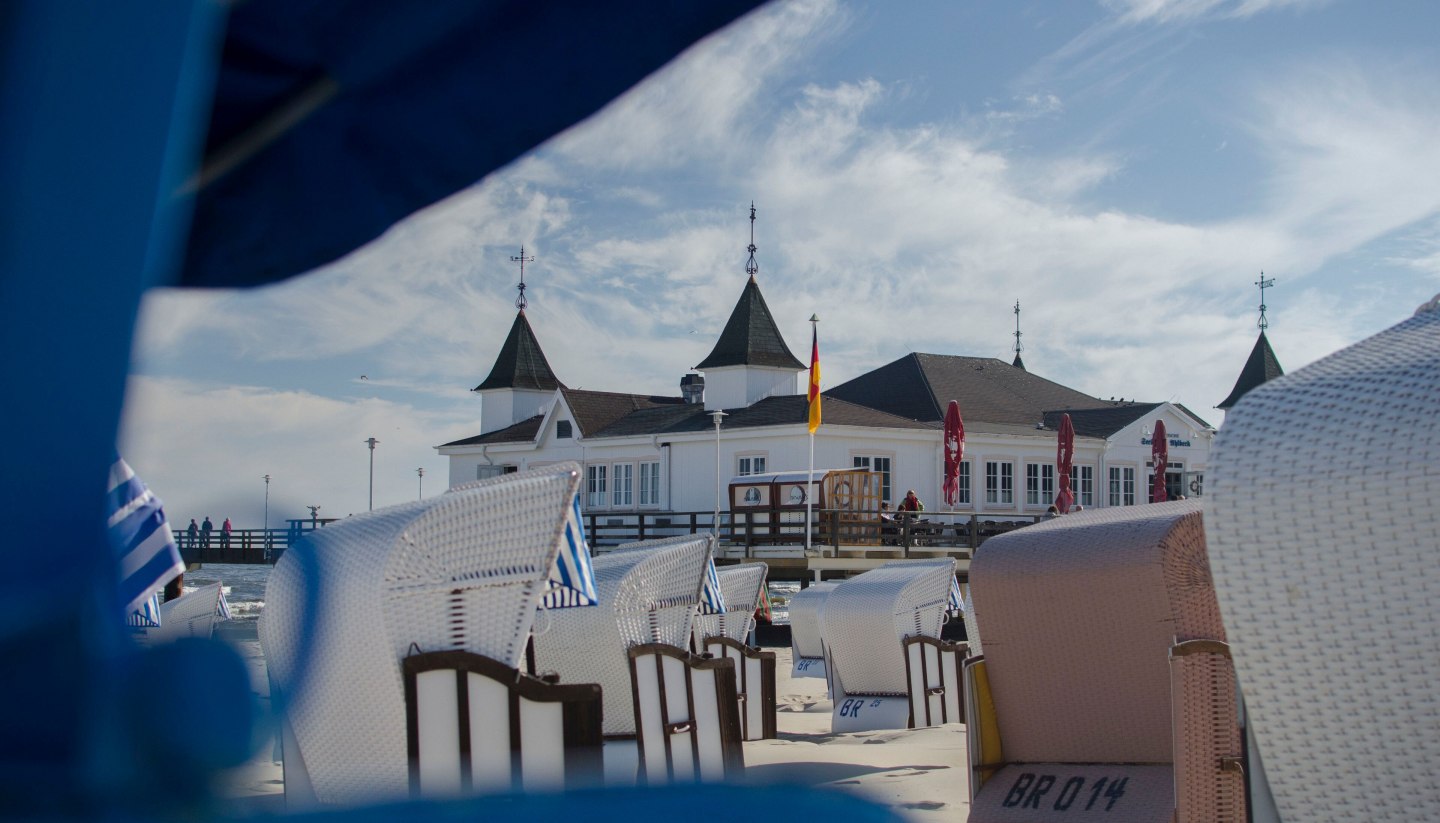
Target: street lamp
267,510
314,516
372,441
421,471
719,481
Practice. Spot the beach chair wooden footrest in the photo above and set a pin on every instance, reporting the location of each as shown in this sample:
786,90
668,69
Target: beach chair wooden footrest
686,714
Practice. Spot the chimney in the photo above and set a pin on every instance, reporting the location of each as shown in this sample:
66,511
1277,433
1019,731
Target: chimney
692,388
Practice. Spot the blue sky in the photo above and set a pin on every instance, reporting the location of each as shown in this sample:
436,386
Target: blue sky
1125,169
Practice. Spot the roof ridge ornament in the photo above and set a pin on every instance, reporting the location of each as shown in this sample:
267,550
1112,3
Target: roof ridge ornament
521,302
1019,347
1264,284
750,265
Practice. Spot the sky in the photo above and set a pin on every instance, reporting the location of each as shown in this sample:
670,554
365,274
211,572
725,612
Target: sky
1124,169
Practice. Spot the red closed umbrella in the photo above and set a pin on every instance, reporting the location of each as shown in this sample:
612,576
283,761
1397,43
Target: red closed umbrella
1064,457
954,450
1160,456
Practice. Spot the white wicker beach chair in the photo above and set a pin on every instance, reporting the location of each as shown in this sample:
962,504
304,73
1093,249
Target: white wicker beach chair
726,636
459,572
866,620
635,646
1322,517
647,595
807,644
191,615
1105,691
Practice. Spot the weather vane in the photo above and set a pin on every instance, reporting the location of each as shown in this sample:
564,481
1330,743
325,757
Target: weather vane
521,302
751,266
1019,347
1264,284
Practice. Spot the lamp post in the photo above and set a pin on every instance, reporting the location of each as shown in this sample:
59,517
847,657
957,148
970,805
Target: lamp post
372,441
314,516
717,415
267,511
421,471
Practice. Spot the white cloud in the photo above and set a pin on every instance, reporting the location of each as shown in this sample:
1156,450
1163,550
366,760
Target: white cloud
1172,11
204,449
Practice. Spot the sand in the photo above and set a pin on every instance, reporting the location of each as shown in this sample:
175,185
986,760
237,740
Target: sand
918,772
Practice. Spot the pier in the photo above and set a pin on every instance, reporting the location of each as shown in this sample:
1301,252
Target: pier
841,544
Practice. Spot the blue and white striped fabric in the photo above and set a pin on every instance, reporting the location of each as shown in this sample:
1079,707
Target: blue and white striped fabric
957,598
222,606
140,535
572,580
712,600
148,615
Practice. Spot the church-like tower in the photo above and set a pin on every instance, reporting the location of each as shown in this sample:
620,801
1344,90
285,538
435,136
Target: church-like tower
1262,364
750,361
521,381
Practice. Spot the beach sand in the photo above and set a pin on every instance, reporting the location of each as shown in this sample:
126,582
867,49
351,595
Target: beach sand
918,772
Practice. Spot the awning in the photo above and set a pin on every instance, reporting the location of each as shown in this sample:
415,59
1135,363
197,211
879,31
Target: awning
572,580
141,538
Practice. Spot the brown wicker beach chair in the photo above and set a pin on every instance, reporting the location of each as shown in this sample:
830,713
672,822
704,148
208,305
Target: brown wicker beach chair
1105,691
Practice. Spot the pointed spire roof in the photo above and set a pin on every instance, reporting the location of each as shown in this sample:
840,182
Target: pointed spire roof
521,364
751,337
1261,366
1017,362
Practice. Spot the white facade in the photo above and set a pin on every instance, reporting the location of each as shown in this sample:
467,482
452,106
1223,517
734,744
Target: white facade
1007,471
733,387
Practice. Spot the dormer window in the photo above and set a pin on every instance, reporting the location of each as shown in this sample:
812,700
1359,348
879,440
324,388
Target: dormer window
562,429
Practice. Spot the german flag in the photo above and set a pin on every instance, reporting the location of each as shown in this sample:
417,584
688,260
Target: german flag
814,380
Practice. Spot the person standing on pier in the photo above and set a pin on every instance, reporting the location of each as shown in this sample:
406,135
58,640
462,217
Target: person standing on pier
225,534
205,529
192,534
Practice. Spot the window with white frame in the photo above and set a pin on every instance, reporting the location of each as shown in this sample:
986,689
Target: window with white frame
749,464
1082,484
595,486
963,498
1122,486
650,484
999,482
1039,483
622,478
880,465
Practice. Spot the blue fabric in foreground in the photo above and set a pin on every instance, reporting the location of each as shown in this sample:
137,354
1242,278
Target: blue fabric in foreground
668,803
572,581
335,119
144,545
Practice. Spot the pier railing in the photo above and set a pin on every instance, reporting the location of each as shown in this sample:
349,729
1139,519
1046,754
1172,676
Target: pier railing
829,527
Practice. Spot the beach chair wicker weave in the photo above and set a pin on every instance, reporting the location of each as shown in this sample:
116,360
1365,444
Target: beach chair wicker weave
726,635
1105,691
741,585
193,615
866,620
647,594
807,645
455,572
1322,514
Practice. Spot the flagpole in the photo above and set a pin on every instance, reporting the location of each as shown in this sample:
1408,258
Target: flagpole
813,399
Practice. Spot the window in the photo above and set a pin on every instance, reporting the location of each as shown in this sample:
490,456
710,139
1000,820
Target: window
999,483
879,465
621,484
1122,486
562,429
595,486
1039,484
649,484
1082,484
963,498
750,464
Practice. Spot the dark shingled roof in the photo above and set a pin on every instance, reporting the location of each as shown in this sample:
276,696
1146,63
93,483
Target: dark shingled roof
522,432
920,386
782,410
1106,421
750,337
521,364
1261,366
594,411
